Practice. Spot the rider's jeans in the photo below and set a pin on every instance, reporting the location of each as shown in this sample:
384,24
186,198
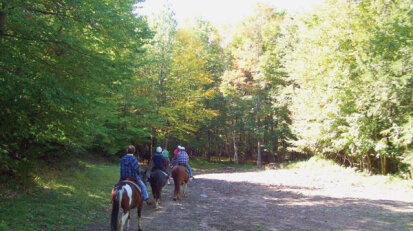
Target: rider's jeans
189,170
143,187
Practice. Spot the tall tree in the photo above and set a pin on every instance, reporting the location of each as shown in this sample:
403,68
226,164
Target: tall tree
158,67
60,61
251,79
351,99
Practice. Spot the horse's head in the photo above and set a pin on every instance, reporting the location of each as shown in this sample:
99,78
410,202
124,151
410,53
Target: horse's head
145,176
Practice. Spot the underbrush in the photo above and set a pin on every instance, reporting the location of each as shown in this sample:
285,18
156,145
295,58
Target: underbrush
319,166
64,199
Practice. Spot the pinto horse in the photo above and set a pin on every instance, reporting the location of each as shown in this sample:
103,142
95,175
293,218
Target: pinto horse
157,179
181,177
126,195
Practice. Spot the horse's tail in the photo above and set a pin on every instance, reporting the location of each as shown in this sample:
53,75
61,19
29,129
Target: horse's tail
117,200
177,184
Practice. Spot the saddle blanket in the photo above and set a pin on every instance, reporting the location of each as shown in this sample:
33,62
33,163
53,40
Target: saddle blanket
133,183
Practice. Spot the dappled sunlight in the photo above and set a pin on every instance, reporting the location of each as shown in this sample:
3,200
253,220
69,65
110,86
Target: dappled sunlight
264,199
313,183
393,208
66,190
251,91
94,195
65,187
305,203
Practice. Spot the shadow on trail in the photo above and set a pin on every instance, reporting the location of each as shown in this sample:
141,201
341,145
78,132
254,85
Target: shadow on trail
249,206
221,205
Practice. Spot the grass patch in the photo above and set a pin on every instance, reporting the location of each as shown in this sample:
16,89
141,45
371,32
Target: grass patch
205,165
322,167
68,202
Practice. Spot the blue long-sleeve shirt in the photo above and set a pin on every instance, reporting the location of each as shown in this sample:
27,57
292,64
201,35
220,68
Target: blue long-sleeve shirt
182,157
129,167
158,162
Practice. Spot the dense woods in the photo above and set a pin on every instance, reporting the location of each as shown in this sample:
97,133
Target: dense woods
94,76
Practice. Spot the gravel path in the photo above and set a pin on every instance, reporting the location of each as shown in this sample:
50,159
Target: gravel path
277,200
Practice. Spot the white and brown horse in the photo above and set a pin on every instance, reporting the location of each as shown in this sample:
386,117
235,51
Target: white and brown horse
126,195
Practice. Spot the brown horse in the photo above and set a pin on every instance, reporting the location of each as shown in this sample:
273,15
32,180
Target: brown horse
126,195
166,162
157,180
181,176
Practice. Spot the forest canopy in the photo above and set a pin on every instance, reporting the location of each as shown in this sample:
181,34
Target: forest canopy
93,76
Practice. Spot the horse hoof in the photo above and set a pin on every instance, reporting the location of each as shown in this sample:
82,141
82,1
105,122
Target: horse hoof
174,198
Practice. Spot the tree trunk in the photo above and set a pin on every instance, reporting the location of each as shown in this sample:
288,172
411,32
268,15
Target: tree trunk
383,164
151,147
369,164
2,21
235,148
259,160
233,137
209,146
166,144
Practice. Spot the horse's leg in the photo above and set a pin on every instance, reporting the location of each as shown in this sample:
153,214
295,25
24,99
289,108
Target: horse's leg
124,218
157,197
178,193
127,222
139,215
176,190
184,189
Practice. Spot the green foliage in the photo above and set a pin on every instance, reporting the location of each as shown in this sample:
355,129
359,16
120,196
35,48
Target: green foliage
353,101
91,76
56,205
67,69
252,84
181,70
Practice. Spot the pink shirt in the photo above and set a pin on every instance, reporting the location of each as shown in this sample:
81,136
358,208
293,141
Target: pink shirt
176,151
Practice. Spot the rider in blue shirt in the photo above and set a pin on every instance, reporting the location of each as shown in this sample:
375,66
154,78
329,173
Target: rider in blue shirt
183,158
129,168
158,161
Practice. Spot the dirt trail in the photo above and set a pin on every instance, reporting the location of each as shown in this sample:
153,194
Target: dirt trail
277,200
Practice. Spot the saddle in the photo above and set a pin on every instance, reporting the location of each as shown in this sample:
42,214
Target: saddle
184,166
133,183
158,170
128,180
